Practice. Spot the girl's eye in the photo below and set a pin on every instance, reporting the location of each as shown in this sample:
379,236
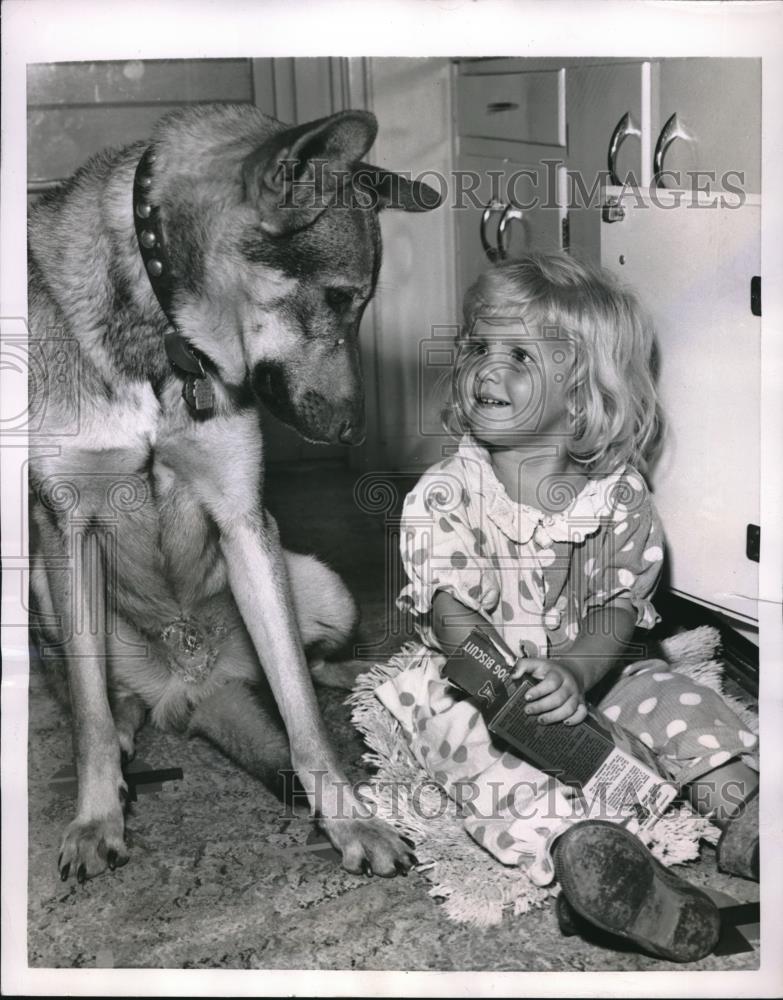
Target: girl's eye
520,354
478,349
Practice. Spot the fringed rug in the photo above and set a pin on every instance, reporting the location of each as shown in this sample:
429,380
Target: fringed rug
474,886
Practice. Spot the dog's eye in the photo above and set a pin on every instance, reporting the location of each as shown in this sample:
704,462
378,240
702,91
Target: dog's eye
339,298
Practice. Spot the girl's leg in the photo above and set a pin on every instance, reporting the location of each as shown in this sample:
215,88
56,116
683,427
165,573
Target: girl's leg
703,746
612,882
699,741
513,810
524,818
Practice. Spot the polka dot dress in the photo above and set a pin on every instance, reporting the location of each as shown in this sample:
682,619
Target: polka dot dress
535,576
690,727
509,807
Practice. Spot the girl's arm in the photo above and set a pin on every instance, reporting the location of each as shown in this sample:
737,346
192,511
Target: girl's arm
603,641
452,622
563,682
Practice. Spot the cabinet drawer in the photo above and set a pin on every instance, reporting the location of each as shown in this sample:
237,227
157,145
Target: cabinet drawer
520,107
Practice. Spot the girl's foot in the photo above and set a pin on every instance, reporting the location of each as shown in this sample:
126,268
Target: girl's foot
738,847
614,883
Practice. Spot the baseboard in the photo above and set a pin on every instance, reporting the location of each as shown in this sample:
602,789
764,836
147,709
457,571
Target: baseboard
740,655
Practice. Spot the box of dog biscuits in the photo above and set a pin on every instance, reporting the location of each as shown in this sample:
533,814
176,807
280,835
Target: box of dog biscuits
617,776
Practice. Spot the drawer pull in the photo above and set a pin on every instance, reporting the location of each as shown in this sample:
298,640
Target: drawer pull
493,206
673,129
497,106
625,127
510,213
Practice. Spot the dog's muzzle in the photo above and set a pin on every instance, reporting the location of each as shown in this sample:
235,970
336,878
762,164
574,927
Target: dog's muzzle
313,415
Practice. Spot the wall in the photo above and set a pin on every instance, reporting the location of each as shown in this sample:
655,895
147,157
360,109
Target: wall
76,109
412,99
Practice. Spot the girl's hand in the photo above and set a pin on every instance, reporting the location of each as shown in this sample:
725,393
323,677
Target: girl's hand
558,697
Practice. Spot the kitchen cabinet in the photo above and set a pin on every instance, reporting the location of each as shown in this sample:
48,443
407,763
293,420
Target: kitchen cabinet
533,114
553,120
684,234
691,264
510,142
718,107
602,102
508,207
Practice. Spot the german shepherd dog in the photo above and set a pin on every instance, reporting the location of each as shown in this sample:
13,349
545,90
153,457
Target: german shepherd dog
173,285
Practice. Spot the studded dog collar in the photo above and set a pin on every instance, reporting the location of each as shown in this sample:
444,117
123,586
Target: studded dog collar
197,390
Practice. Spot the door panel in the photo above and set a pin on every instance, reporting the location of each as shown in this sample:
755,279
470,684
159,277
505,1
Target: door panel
531,186
718,102
597,97
692,268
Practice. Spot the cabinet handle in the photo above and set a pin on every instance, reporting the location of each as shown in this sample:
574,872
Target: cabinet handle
493,206
625,127
509,213
673,129
497,106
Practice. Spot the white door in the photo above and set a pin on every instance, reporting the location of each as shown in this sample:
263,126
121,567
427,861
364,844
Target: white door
692,267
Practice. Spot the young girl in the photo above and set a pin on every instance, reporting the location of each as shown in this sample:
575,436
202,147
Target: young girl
540,529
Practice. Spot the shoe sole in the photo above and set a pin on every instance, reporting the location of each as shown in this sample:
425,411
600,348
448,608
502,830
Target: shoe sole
613,882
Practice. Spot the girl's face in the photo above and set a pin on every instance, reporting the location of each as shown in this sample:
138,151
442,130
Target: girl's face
511,383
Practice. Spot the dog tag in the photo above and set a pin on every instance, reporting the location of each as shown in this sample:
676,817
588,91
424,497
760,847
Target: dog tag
198,393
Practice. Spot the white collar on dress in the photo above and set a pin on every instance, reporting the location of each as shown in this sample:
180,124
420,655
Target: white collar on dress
598,501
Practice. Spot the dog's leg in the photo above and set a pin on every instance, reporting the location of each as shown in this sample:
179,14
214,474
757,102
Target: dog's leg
95,838
342,676
240,718
325,611
326,615
129,712
259,582
258,579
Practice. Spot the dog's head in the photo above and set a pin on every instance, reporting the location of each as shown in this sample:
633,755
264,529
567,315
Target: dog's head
289,266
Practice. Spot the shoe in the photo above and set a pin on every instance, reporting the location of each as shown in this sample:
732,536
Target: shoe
568,919
613,883
738,847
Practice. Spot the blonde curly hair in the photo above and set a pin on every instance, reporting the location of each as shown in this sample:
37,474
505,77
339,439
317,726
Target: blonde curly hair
612,391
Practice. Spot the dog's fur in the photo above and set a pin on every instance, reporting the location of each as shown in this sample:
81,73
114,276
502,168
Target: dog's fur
158,579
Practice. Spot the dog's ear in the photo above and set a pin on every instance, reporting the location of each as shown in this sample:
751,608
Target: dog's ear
381,188
294,175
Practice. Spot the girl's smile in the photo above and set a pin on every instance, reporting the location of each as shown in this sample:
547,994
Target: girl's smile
511,382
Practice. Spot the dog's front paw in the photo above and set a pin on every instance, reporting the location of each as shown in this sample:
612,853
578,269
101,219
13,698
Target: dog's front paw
370,847
90,846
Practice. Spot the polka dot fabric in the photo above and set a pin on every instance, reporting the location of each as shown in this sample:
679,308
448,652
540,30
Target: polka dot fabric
533,575
510,807
516,811
689,727
630,559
